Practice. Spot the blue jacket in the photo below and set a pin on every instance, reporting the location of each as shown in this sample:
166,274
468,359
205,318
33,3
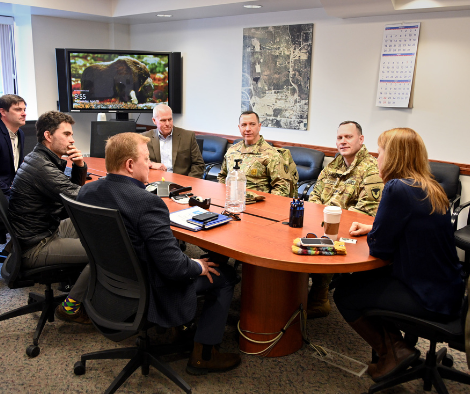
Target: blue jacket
420,245
7,167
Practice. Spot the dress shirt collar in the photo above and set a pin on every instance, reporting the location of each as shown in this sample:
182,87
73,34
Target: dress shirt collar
159,135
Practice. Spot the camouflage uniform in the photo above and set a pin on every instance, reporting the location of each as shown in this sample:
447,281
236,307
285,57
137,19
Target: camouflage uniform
265,168
356,188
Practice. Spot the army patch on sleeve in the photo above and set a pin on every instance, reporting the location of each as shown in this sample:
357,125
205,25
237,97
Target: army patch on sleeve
375,192
253,172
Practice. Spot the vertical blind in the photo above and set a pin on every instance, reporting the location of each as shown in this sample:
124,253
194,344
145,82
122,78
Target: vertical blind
7,55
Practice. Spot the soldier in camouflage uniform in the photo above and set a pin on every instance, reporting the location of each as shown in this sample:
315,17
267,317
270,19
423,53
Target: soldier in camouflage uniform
351,181
265,167
356,188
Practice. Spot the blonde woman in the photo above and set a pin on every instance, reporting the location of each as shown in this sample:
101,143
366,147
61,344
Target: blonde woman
412,231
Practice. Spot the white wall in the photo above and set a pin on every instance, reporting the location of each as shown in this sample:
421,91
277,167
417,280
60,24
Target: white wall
346,55
345,69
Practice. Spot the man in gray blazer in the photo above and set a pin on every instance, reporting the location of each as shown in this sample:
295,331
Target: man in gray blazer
173,149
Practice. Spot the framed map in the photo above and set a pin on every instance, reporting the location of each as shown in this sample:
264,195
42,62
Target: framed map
276,74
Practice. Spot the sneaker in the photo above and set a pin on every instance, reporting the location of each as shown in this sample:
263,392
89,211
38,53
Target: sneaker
80,316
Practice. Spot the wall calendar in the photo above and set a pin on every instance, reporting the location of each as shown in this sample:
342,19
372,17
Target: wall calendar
397,65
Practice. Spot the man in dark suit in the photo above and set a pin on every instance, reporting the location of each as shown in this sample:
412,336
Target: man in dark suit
13,116
175,279
173,149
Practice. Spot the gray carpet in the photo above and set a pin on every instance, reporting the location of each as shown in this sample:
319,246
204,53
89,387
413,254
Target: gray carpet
63,343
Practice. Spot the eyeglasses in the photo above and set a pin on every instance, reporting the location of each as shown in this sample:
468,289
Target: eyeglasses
234,216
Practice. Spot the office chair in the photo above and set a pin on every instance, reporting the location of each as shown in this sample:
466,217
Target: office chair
213,153
462,236
200,144
118,292
447,175
17,277
309,164
101,131
437,365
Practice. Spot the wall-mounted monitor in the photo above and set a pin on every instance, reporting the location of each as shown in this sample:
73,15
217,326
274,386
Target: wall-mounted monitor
92,80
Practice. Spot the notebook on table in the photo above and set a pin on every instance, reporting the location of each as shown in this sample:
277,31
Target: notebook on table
184,219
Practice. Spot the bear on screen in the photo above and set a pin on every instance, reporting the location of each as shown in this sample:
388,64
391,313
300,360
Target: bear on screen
125,78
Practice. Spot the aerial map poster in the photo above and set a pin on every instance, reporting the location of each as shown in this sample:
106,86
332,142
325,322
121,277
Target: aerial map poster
276,74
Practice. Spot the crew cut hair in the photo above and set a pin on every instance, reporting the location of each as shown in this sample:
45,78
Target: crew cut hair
358,126
50,121
248,113
406,157
121,147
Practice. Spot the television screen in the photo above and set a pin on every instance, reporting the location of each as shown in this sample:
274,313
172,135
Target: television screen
118,81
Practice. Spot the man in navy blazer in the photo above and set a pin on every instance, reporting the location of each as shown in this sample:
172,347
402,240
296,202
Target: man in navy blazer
175,279
13,116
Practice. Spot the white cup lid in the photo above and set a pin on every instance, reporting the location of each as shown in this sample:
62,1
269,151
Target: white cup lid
333,210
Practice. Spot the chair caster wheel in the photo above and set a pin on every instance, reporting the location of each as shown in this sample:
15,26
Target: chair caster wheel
79,368
31,300
33,351
448,361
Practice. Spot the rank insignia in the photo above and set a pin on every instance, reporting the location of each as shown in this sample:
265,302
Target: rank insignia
375,192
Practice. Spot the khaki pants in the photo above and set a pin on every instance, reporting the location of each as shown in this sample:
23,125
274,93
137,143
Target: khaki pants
62,247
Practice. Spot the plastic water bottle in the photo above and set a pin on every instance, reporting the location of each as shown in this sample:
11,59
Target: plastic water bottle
235,189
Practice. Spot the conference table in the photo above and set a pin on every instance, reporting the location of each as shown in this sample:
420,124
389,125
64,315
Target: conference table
274,279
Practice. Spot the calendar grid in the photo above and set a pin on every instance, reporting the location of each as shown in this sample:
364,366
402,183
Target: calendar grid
397,65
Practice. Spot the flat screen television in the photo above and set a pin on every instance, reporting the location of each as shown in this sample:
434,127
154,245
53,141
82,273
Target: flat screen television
99,80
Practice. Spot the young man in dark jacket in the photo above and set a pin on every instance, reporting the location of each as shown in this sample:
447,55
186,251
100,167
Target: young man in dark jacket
35,208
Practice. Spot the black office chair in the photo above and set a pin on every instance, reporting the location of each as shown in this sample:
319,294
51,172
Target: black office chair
200,144
213,153
101,131
309,164
462,236
17,277
447,175
437,365
117,296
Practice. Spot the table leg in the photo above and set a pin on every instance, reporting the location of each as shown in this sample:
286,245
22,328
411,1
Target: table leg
269,298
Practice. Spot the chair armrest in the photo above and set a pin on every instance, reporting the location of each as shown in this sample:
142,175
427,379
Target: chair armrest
456,214
208,168
454,202
309,183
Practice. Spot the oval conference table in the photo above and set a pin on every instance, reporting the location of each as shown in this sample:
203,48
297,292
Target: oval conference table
275,280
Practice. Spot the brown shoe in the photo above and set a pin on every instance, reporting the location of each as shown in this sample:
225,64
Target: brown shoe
80,316
398,356
318,304
218,362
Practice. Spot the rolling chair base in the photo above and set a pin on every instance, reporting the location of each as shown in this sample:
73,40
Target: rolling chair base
37,302
430,370
143,355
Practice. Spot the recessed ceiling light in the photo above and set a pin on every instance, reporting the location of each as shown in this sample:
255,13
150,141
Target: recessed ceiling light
164,16
252,6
